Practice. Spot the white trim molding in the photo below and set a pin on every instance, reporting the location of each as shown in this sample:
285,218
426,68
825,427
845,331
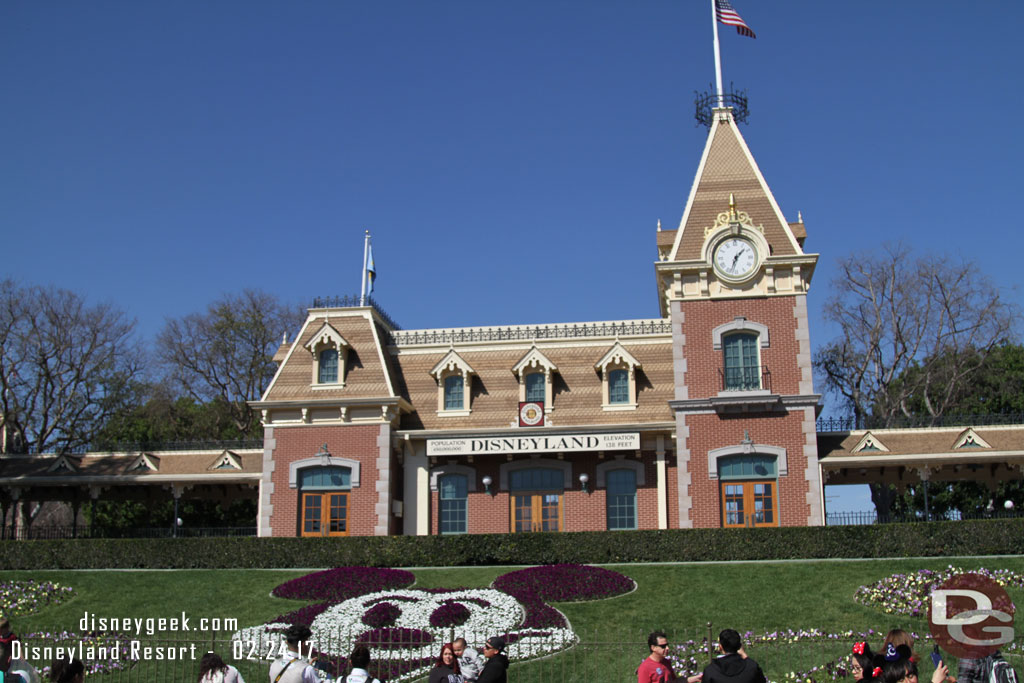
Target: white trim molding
739,324
470,473
782,464
332,461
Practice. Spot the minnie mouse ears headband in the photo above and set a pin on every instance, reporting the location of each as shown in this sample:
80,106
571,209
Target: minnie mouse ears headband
876,672
858,648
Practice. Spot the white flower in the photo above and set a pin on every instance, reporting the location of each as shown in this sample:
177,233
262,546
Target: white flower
336,630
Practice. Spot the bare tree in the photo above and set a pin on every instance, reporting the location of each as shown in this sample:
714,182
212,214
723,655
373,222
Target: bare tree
226,354
65,367
914,332
910,327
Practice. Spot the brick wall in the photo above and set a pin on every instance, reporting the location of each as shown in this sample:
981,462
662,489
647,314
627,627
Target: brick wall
708,432
356,442
491,514
703,361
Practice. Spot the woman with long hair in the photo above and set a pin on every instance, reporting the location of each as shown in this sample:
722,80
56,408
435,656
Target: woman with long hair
212,669
446,670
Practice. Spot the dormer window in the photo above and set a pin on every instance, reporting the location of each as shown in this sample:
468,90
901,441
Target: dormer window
329,350
535,372
618,379
454,379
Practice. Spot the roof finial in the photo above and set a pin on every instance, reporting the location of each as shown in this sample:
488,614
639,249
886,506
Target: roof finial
799,217
659,225
732,206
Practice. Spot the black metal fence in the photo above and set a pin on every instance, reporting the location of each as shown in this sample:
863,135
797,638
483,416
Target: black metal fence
862,518
786,656
846,424
28,533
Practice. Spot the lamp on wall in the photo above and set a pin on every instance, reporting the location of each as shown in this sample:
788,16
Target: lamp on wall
325,456
487,484
584,478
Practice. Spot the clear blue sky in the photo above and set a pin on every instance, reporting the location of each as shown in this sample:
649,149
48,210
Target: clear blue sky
510,158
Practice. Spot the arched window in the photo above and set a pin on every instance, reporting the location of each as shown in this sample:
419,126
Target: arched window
453,392
452,508
535,386
536,499
618,386
741,367
621,499
324,495
328,366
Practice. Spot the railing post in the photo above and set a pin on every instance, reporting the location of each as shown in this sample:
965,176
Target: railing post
711,654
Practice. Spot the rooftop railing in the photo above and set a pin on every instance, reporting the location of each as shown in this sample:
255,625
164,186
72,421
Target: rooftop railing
626,328
846,424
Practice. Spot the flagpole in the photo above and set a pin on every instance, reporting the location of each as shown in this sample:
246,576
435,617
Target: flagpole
718,57
366,249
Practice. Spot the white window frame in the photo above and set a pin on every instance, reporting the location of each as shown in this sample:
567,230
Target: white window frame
618,358
328,338
453,364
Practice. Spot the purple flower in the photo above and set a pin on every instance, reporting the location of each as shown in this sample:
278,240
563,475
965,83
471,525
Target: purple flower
343,583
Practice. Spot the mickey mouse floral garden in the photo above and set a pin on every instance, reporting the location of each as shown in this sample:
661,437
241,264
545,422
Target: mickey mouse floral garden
562,622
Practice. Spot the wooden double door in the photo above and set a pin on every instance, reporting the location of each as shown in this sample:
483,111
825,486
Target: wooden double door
536,511
325,513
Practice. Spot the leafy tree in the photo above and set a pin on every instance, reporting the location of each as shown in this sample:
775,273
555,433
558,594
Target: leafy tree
162,418
226,353
997,388
65,367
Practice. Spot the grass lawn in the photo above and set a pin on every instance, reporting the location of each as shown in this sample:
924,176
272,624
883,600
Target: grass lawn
680,599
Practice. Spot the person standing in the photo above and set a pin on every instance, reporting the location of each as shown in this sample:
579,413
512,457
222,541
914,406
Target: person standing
494,670
655,668
360,661
294,667
470,661
732,665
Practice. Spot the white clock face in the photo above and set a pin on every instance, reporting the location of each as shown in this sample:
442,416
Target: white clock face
735,257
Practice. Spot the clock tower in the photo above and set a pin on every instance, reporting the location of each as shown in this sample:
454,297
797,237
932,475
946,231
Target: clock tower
733,281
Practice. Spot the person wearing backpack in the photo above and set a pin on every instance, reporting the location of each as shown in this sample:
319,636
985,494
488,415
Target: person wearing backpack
360,661
990,669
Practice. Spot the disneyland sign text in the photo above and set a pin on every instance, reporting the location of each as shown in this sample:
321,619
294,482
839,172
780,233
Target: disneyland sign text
553,443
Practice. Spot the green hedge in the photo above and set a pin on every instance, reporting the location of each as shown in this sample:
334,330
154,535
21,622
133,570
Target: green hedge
982,537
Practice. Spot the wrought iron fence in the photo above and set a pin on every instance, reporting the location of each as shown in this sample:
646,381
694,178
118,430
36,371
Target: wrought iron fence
808,655
863,518
353,301
528,332
846,424
28,533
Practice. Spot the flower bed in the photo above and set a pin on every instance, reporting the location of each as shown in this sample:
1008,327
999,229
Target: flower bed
535,586
27,597
909,593
343,583
104,652
689,658
407,625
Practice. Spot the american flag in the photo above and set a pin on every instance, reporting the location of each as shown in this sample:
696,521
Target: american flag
725,13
